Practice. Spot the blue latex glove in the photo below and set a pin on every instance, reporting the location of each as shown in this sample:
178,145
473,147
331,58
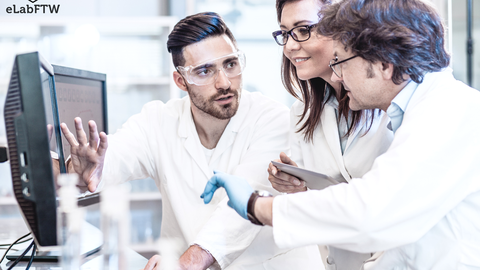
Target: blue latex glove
238,191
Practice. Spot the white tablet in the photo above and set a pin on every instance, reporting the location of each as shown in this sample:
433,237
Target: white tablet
313,180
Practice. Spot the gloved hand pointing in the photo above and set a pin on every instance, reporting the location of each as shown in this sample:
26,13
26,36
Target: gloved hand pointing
238,191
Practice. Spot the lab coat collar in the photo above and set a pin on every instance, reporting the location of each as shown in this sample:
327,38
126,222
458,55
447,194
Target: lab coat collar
186,118
360,128
333,102
187,130
403,97
233,127
399,104
430,81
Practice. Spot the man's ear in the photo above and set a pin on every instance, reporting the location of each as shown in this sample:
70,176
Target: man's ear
387,71
179,80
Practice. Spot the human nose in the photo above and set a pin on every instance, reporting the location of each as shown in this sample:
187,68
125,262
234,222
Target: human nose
222,81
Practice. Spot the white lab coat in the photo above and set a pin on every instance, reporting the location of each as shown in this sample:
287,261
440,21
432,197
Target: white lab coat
324,155
162,143
421,200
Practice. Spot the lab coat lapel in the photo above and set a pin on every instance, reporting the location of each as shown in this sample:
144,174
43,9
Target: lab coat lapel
192,144
330,130
227,139
356,133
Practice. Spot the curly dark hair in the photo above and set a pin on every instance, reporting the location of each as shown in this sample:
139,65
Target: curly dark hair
406,33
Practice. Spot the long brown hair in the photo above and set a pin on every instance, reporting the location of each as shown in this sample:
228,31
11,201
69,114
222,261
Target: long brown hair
313,93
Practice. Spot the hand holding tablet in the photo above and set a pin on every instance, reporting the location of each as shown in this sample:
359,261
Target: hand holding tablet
314,180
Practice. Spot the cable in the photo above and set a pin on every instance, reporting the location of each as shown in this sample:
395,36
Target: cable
32,256
7,245
21,256
14,243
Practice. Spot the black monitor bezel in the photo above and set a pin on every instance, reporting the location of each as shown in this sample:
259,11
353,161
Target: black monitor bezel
26,125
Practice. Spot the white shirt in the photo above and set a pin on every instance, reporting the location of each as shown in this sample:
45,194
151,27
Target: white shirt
208,155
162,143
421,200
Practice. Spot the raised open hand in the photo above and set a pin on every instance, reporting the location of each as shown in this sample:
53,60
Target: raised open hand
87,155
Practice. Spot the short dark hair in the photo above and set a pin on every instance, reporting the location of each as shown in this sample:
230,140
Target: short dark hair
406,33
193,29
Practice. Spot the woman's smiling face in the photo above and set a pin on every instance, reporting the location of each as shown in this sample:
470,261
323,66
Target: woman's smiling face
311,57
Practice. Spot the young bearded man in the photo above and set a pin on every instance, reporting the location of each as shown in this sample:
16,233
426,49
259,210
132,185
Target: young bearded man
218,126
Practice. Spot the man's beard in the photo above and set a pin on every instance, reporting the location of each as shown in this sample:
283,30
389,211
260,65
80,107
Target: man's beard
207,106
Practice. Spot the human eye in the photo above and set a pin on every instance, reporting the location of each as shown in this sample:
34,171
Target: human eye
203,72
231,64
303,30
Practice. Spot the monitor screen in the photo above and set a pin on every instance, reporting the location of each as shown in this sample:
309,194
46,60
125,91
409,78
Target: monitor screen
33,135
81,94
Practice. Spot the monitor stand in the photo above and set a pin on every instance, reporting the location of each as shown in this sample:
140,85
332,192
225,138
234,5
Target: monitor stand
92,240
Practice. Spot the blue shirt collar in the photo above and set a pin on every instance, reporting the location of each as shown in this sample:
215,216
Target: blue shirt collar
399,104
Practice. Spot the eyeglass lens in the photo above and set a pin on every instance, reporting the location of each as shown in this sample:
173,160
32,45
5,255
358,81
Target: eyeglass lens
300,33
207,73
336,68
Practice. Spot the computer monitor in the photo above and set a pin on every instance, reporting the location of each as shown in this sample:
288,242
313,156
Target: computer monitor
33,113
33,135
83,94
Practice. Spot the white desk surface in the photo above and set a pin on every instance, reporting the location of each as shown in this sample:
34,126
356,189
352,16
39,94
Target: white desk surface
94,262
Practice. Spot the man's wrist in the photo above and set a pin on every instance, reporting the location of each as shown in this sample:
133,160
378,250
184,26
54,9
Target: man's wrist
263,210
195,257
251,209
251,214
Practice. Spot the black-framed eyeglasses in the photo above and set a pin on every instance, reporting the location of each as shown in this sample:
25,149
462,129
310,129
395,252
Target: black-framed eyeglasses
299,33
337,69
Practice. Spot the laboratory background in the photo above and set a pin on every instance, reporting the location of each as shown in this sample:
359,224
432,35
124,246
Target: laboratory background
127,41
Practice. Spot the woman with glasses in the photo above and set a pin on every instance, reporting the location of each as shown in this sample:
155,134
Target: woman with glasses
326,136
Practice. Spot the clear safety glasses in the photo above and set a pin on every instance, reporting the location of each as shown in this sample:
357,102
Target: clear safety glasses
205,73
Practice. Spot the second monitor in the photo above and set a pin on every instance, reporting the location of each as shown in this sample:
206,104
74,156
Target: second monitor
80,93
